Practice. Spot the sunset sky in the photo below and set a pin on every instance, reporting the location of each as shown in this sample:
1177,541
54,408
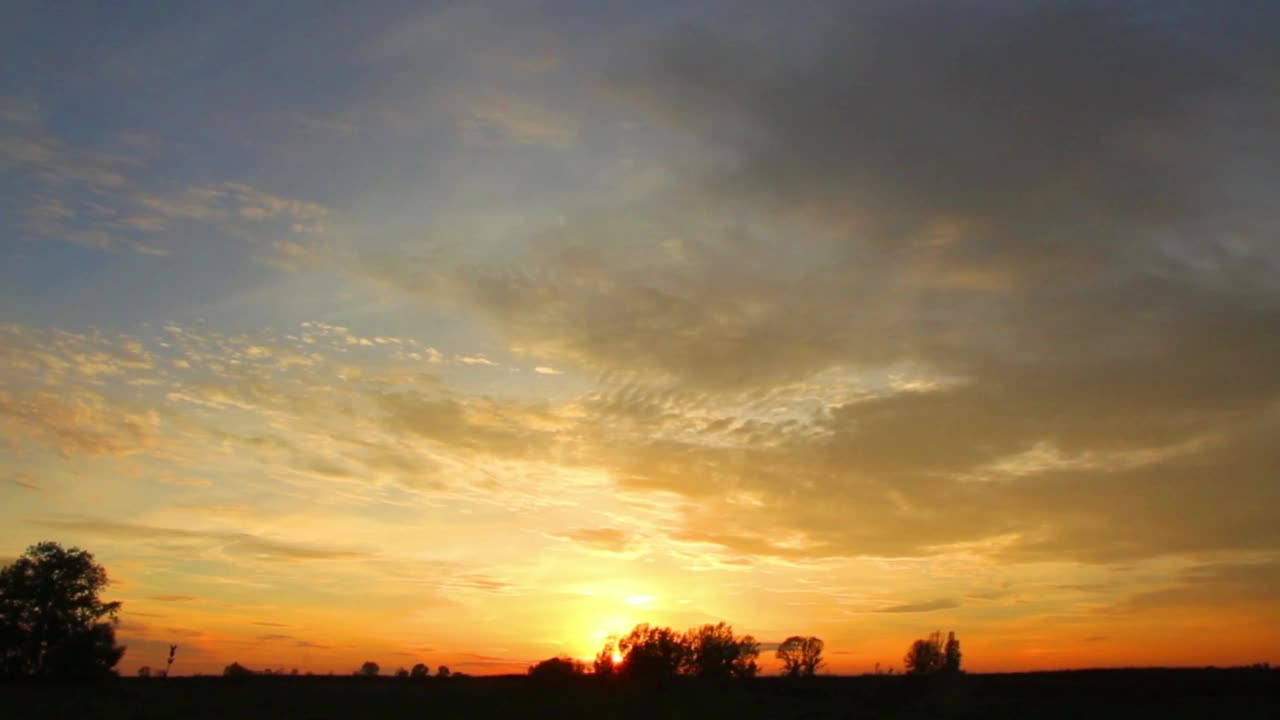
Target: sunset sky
471,333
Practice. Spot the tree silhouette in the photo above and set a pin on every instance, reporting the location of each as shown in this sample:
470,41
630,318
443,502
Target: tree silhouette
951,654
557,671
442,671
420,671
652,654
368,669
931,655
52,622
144,671
604,664
924,657
800,655
402,673
744,666
713,653
236,670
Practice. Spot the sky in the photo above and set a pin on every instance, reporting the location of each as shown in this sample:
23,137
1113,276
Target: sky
471,333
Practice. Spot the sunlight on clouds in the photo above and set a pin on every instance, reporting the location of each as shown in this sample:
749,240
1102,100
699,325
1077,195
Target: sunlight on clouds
275,413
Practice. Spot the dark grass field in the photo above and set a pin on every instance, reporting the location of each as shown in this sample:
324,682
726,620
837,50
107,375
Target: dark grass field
1236,693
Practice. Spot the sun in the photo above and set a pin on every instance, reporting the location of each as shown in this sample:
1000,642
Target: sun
617,657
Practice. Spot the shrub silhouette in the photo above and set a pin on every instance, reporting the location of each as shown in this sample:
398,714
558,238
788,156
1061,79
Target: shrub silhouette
236,670
420,671
442,671
800,656
52,622
368,669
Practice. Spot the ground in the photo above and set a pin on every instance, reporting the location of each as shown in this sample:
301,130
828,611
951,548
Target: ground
1164,694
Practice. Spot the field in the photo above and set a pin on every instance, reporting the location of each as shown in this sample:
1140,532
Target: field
1164,694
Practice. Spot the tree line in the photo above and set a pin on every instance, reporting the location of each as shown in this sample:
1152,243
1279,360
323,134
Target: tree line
659,655
53,624
708,653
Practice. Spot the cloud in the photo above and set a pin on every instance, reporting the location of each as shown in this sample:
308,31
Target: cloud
307,644
544,370
234,543
1255,582
608,539
921,607
106,198
1025,209
480,427
977,279
23,481
19,111
262,549
89,425
234,206
506,117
